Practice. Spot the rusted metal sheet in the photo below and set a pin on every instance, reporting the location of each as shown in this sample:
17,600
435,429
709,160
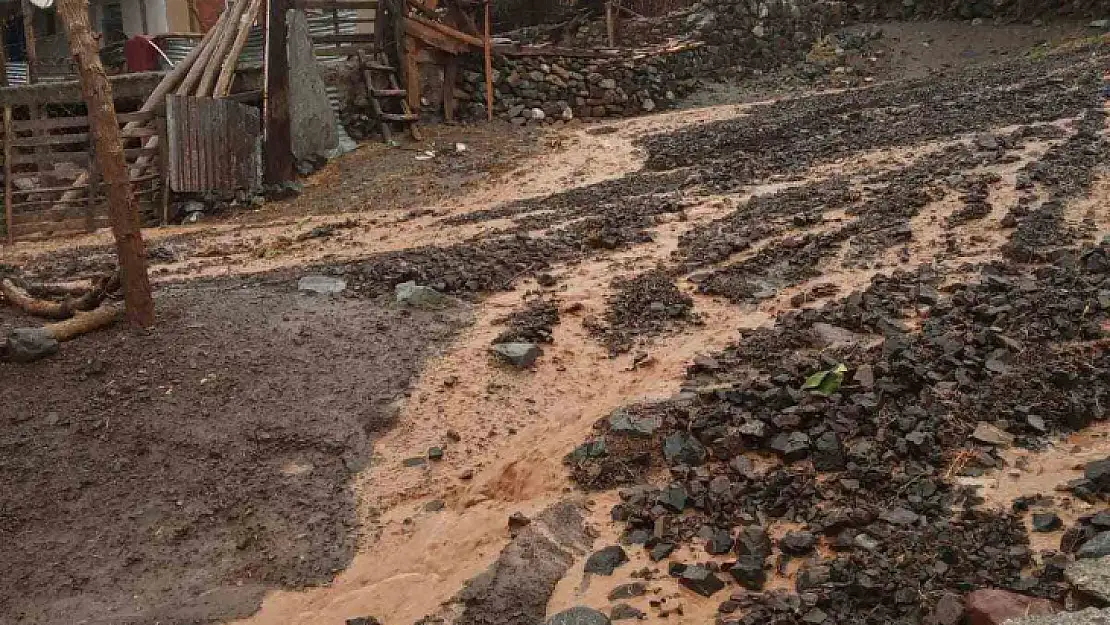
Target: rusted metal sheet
213,144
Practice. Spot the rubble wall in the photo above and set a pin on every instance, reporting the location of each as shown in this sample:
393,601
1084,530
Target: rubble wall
1017,10
716,34
755,35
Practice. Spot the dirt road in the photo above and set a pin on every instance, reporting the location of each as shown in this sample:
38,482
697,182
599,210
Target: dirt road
264,454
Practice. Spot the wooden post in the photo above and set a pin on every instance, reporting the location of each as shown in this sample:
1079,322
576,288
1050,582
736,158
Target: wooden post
488,49
29,36
164,166
450,79
3,54
142,17
8,174
279,140
104,127
94,189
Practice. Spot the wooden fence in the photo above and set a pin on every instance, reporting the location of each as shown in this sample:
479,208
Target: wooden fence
51,182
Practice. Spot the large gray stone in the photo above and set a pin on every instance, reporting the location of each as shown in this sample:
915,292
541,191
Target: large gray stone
623,422
520,355
1091,577
28,345
1090,616
1097,547
311,118
321,285
579,615
412,294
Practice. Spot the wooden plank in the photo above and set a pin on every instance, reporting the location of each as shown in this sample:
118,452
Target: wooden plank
27,142
450,81
58,227
430,36
75,157
74,186
487,52
164,165
428,11
29,41
279,139
453,33
8,172
55,123
336,4
349,38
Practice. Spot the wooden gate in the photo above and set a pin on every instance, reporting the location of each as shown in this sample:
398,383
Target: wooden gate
51,182
214,144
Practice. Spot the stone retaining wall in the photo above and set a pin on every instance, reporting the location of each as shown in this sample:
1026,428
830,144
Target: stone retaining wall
756,35
750,34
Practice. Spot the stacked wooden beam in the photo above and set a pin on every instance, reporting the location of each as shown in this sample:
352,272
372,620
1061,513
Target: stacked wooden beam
207,71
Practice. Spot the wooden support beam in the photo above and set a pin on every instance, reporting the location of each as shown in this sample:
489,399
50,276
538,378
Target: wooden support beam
450,80
488,52
227,72
453,33
8,174
222,46
279,141
411,73
428,12
29,37
433,37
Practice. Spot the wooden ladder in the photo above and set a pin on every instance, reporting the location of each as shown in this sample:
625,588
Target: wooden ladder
382,85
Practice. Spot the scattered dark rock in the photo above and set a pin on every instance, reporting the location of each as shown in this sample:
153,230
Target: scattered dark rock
623,612
797,543
748,571
948,611
628,591
1096,547
579,615
719,542
682,448
519,355
701,580
605,561
1046,522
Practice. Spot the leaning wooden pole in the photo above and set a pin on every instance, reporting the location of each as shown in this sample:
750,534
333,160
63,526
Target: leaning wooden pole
222,45
104,126
227,72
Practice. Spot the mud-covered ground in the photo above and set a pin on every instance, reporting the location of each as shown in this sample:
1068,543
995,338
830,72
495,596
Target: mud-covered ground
834,290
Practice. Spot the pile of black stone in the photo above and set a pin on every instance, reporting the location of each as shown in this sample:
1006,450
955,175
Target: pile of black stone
643,306
531,324
870,422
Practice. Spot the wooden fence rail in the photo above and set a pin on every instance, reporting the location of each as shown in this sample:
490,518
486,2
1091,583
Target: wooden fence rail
51,182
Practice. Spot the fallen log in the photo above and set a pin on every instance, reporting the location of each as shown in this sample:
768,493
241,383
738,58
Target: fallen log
84,322
64,309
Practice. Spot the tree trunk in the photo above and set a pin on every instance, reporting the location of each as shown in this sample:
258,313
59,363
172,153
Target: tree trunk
113,168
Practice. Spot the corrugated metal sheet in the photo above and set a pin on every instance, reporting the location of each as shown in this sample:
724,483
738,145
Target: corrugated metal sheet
319,23
213,144
177,48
